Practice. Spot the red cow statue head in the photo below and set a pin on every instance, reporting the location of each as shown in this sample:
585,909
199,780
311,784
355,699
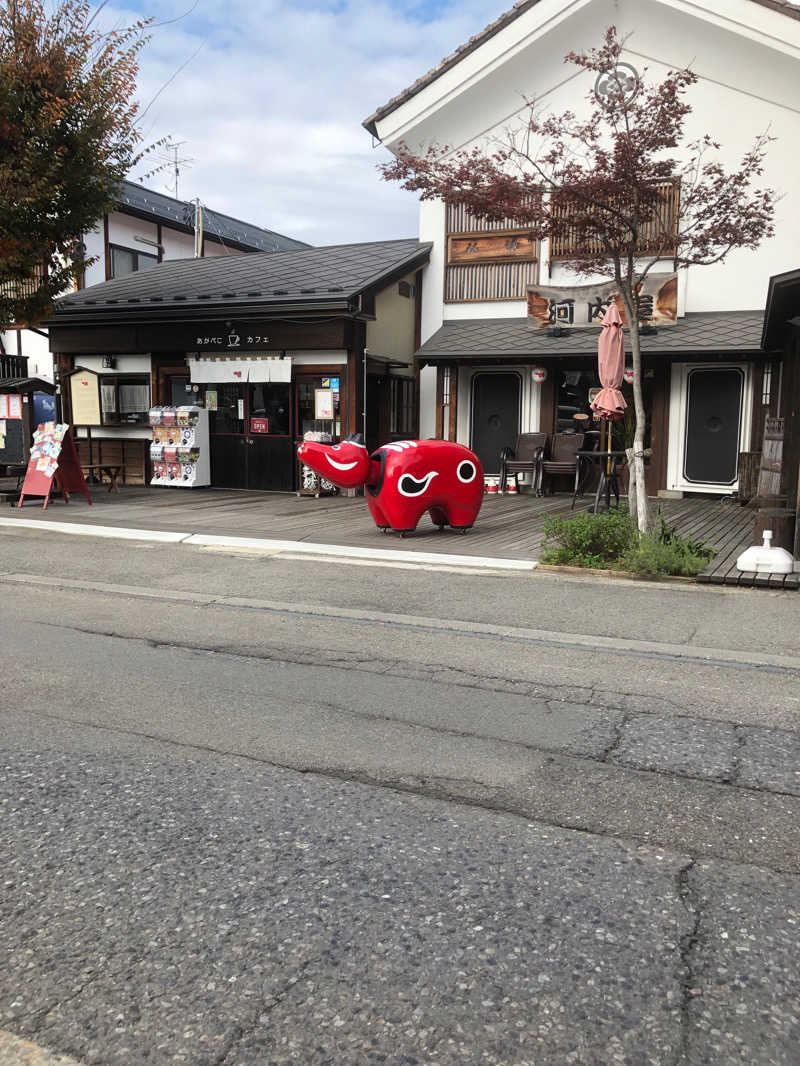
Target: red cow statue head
346,464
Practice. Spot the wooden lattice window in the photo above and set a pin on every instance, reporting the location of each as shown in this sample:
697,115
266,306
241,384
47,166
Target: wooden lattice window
487,260
664,219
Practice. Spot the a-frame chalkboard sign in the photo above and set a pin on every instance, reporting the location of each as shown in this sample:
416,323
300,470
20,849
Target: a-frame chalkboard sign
54,459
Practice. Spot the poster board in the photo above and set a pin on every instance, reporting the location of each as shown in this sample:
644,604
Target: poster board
84,392
12,442
323,404
53,460
10,405
12,430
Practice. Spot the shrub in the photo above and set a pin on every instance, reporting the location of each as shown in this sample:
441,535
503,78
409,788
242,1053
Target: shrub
655,554
611,540
592,540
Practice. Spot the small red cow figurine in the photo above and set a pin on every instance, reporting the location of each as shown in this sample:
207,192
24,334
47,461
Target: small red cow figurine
405,479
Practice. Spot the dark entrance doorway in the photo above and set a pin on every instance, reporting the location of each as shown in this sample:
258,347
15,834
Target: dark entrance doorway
251,440
495,416
713,421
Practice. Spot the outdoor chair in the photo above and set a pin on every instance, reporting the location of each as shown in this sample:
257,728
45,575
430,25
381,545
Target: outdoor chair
562,461
525,458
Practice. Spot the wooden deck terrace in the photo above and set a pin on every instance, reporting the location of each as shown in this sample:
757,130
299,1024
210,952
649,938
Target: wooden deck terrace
509,527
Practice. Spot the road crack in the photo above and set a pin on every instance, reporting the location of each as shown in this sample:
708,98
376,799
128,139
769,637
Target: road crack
688,944
241,1033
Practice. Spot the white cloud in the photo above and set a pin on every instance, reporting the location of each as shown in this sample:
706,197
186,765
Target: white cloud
271,107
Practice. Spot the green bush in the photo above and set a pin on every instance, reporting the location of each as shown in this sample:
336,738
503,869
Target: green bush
593,540
611,541
673,554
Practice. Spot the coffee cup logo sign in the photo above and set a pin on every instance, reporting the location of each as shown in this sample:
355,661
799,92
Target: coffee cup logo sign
228,341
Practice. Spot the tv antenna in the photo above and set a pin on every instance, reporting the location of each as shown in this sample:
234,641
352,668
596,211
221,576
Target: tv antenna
175,161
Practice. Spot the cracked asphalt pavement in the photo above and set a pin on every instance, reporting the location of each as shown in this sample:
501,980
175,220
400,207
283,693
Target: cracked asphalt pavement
255,810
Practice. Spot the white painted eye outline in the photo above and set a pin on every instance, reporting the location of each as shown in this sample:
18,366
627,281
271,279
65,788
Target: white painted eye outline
424,482
340,466
473,468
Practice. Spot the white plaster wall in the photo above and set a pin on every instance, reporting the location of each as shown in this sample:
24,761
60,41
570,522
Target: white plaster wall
95,249
34,347
124,364
214,248
392,331
177,245
115,432
124,229
748,62
427,402
311,358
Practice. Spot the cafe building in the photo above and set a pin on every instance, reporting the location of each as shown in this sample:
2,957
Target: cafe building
274,346
709,381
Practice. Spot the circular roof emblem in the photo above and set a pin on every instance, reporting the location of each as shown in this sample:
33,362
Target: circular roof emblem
623,78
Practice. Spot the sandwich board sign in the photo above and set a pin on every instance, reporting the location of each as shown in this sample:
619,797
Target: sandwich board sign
53,458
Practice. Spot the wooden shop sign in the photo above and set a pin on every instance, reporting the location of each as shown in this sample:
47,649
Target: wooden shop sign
584,305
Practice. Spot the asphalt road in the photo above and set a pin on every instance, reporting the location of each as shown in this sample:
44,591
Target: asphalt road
257,810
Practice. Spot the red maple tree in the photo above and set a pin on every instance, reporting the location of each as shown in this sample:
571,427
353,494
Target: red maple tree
603,187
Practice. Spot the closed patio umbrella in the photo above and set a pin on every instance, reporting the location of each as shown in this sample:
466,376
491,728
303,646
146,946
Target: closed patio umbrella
609,403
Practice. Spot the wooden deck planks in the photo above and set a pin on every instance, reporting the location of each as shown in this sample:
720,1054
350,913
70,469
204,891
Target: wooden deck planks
508,526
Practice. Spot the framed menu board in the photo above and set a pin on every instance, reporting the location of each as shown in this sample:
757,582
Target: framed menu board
84,391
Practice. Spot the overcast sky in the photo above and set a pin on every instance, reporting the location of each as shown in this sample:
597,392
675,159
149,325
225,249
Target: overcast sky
271,105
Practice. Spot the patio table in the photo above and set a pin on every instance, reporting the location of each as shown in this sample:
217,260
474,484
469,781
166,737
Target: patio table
609,476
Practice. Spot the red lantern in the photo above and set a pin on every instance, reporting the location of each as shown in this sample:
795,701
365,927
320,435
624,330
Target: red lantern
627,375
539,375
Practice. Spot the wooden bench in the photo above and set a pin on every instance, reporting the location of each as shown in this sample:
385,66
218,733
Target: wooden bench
112,471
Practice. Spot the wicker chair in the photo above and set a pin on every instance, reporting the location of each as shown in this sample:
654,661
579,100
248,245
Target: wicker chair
525,458
562,461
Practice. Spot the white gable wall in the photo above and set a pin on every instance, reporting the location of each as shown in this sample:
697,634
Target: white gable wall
748,61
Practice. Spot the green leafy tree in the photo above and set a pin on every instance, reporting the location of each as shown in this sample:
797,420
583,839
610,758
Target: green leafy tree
68,138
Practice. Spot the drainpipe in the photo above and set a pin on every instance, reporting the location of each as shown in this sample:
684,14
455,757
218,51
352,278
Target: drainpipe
198,228
364,411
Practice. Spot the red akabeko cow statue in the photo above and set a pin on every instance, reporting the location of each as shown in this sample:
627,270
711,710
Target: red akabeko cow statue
405,479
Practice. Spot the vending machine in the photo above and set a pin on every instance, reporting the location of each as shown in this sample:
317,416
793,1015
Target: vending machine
180,452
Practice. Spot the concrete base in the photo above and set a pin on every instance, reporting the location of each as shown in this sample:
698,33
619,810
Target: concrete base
670,494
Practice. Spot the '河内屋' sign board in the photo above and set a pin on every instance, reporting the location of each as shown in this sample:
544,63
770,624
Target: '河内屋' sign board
584,305
84,392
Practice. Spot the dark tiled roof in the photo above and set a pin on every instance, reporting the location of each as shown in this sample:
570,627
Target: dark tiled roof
370,124
26,385
305,276
180,214
717,331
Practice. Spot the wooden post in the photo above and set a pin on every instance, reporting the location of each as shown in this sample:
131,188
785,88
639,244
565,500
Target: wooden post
796,551
452,428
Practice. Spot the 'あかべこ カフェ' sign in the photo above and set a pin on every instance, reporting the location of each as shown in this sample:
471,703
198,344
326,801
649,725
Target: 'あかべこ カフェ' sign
584,305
